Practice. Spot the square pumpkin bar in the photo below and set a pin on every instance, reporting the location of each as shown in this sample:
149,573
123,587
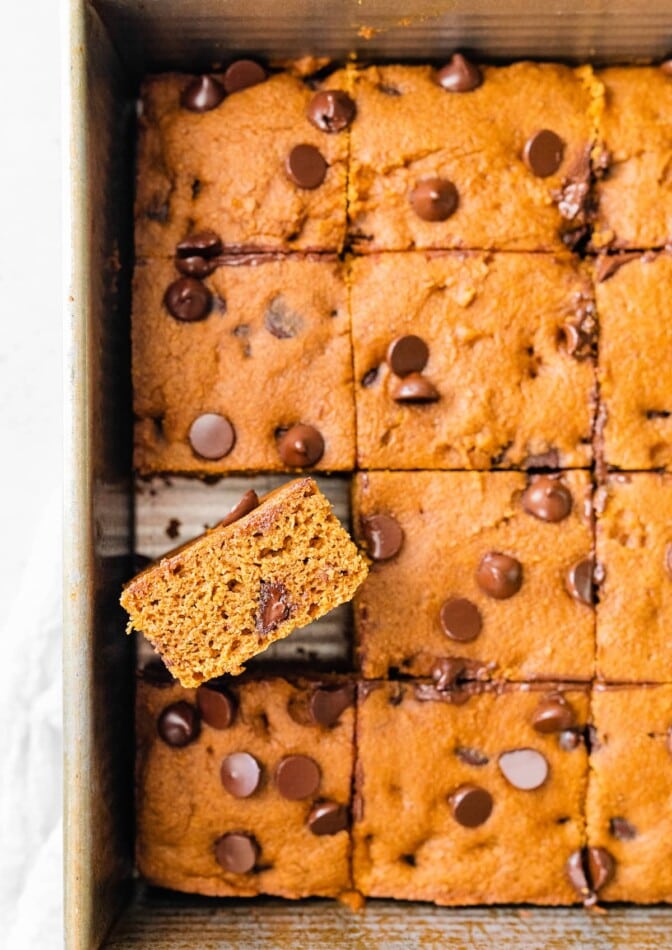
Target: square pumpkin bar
483,575
246,369
259,159
469,157
244,788
634,189
634,558
472,361
469,796
628,809
635,420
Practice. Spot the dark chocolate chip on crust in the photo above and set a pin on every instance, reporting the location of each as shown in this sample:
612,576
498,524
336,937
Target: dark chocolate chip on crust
459,75
301,446
331,110
202,94
188,299
543,153
434,199
247,503
415,388
327,704
328,818
216,706
525,769
579,581
384,536
460,619
547,498
237,852
212,436
179,724
407,354
306,166
553,714
240,774
471,805
297,777
499,575
242,74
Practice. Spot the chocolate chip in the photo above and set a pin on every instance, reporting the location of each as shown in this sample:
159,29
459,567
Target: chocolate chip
415,388
306,166
499,575
576,873
281,321
434,199
188,299
273,606
460,619
543,153
525,769
331,110
449,671
301,446
173,528
549,459
578,339
384,536
369,378
195,266
247,503
622,829
668,559
202,94
388,90
407,354
471,756
601,867
459,75
216,706
212,436
328,818
297,777
201,244
237,852
579,581
569,739
179,724
471,805
547,498
326,705
553,714
242,74
240,774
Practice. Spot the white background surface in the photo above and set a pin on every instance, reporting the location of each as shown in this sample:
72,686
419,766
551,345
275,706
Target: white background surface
30,476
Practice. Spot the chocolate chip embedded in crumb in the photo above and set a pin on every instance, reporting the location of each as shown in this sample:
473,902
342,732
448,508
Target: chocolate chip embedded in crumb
601,867
499,575
188,299
579,581
328,818
273,606
434,199
384,536
471,805
297,777
306,166
240,774
570,739
415,388
326,705
242,74
247,503
195,266
331,110
407,354
202,94
459,75
471,756
237,852
369,378
525,769
553,714
212,436
460,619
179,724
281,321
200,244
301,446
543,153
622,829
547,498
216,706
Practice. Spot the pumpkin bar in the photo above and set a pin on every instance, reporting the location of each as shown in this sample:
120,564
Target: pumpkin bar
244,789
469,796
266,569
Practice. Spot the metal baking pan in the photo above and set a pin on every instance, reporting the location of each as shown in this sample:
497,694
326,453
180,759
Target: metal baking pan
111,44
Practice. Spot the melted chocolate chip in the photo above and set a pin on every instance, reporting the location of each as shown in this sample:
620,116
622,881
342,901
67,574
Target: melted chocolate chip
328,818
188,299
459,75
306,166
247,503
471,805
198,267
237,852
240,774
273,606
460,619
202,244
576,874
622,829
326,705
579,581
547,498
384,536
543,153
525,769
179,724
434,199
297,777
601,867
471,756
369,378
242,74
301,446
331,110
407,354
415,388
212,436
202,94
553,714
499,575
281,321
216,706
